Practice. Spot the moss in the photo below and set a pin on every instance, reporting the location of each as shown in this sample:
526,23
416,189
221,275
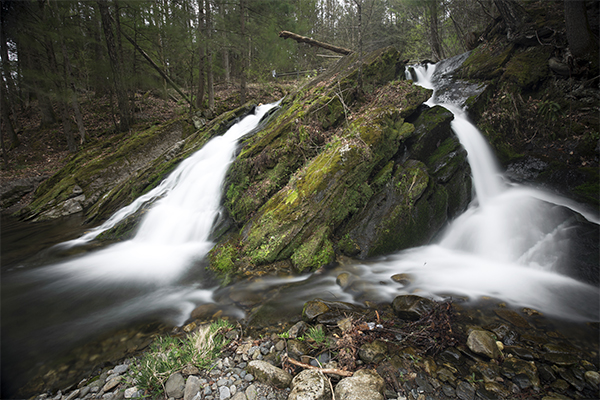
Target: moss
528,68
486,61
223,260
314,252
348,246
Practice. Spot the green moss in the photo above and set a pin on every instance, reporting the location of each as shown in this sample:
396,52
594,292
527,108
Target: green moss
348,246
528,68
314,252
223,260
486,61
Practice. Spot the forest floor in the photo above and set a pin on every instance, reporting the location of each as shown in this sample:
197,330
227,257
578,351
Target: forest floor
43,151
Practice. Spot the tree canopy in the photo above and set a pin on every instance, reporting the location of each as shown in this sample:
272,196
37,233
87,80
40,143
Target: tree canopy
53,51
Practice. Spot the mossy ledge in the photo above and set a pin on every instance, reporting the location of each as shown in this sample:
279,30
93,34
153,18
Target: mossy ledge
301,190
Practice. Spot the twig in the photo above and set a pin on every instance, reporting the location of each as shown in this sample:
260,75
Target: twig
322,370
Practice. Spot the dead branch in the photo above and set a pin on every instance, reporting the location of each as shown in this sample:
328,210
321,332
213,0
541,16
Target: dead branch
323,370
312,42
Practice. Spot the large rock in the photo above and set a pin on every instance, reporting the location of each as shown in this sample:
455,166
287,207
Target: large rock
175,386
412,307
310,385
484,343
364,384
192,387
267,373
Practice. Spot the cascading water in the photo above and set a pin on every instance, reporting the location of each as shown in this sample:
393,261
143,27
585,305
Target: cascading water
510,243
49,309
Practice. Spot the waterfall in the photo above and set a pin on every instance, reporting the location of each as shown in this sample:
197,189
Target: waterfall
512,243
175,231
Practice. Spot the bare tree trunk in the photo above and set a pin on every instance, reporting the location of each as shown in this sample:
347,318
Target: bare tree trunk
243,52
117,69
513,14
579,34
72,92
201,55
436,45
312,42
209,70
11,92
6,122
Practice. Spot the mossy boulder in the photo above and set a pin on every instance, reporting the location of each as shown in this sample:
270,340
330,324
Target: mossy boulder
108,178
300,190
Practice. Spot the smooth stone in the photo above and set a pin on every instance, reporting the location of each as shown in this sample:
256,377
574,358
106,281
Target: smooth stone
412,307
119,369
130,392
364,384
310,385
239,396
593,378
175,386
72,395
111,384
224,393
251,392
312,309
269,374
344,280
192,387
404,279
484,343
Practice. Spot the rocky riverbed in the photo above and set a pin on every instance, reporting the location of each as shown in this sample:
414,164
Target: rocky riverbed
414,348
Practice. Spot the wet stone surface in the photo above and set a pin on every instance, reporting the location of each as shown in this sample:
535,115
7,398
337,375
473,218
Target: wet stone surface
396,362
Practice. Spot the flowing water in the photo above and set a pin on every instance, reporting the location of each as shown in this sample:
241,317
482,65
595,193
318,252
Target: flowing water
48,309
516,244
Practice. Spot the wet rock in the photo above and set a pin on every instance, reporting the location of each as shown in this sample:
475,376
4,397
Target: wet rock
297,348
560,384
556,396
404,279
520,352
192,387
465,391
312,309
593,378
497,388
266,373
175,386
205,311
504,332
546,373
561,359
484,343
310,385
373,352
452,356
523,373
513,317
485,394
489,371
569,377
344,279
297,330
445,375
364,384
412,307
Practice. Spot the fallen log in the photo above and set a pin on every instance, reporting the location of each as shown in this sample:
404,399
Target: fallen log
312,42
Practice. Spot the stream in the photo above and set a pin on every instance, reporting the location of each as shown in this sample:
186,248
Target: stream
516,244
